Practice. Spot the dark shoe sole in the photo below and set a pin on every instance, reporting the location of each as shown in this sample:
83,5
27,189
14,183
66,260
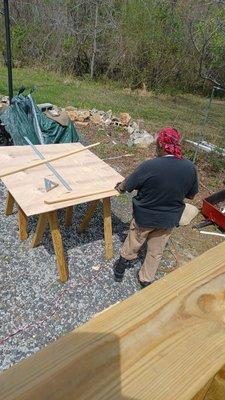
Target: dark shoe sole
120,267
143,284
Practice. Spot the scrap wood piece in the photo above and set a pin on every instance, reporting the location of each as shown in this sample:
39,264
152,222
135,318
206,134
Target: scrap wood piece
76,197
46,160
163,343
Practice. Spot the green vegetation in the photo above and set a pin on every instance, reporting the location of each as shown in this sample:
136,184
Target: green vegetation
155,44
185,112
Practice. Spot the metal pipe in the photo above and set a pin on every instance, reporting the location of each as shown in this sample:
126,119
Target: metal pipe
8,49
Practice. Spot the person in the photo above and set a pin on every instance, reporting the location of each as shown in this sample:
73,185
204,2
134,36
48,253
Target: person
162,184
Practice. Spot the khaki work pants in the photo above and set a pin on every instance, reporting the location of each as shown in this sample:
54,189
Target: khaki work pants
156,242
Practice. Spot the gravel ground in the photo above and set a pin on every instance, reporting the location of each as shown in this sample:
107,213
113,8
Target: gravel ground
31,297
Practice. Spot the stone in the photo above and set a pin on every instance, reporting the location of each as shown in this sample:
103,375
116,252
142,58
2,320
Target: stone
54,113
116,123
3,107
125,119
144,141
5,99
107,121
79,115
115,119
96,119
93,111
130,129
140,139
108,114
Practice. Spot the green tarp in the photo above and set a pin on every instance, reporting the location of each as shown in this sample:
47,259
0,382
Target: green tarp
19,122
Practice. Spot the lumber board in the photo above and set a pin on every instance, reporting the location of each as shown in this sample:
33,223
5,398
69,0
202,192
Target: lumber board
164,343
84,171
81,196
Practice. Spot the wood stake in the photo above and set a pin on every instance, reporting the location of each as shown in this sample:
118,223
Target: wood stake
62,199
46,160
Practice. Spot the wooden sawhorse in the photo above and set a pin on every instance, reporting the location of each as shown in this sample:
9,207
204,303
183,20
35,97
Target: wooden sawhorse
52,218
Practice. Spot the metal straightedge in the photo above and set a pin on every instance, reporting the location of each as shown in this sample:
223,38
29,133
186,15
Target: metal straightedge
50,167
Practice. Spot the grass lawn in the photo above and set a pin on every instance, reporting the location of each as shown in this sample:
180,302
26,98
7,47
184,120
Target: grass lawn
183,111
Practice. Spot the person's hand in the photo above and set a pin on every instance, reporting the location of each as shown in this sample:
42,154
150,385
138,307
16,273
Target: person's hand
120,187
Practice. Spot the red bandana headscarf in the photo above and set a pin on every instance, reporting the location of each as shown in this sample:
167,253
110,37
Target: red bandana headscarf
169,140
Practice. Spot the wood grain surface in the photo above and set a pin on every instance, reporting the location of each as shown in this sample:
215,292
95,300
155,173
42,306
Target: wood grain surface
85,172
164,343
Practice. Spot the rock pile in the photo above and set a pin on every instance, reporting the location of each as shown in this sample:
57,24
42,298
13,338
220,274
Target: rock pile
84,117
138,136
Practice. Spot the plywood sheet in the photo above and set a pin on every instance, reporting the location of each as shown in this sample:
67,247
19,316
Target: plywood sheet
85,172
164,343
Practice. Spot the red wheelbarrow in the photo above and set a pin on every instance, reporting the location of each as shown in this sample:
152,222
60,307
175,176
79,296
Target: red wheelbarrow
211,208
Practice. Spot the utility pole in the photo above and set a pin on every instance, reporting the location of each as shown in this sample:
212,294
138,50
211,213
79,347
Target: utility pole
8,49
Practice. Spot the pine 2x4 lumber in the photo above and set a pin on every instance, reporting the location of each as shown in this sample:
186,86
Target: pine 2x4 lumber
166,342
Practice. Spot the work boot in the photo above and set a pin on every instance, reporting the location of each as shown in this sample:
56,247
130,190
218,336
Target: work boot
120,266
143,283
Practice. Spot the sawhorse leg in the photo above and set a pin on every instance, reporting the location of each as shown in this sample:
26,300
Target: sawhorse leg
58,246
69,216
9,204
107,228
22,221
52,218
87,217
41,226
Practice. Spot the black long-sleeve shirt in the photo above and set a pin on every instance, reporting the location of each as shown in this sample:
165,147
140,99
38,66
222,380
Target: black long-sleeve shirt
162,185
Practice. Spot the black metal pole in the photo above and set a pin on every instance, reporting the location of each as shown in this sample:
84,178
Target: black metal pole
8,49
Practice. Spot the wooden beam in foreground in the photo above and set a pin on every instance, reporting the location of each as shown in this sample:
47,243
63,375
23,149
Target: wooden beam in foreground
164,343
